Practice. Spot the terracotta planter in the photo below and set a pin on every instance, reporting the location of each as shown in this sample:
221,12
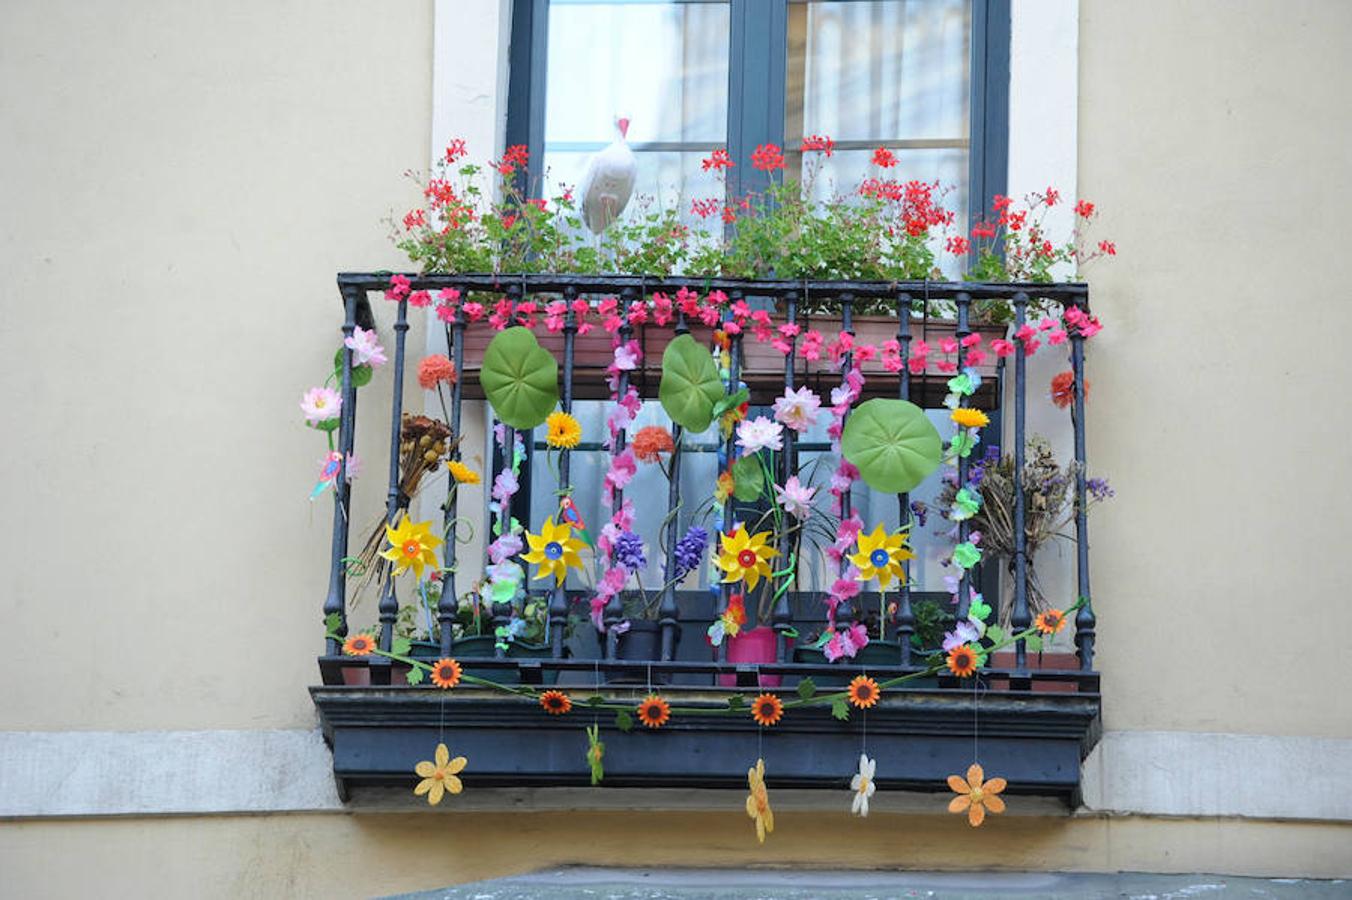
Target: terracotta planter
1060,661
754,646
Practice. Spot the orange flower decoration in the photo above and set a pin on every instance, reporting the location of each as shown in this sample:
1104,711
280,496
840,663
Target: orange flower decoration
654,711
1050,621
556,703
962,661
435,369
359,645
1063,389
974,796
863,691
767,709
446,673
651,442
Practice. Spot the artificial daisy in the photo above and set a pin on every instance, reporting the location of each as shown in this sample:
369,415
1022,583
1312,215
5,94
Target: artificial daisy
654,711
881,556
862,785
359,645
554,550
969,418
758,802
863,692
411,546
962,660
446,673
767,709
440,776
745,556
462,473
562,431
1050,621
556,703
975,796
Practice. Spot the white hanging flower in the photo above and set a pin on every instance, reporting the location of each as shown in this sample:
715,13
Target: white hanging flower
862,785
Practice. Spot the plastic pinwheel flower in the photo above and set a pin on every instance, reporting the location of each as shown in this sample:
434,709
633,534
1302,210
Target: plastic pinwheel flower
881,556
554,550
411,546
745,557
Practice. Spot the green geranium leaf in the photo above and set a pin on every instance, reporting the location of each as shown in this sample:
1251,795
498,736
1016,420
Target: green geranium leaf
401,646
520,378
807,688
748,481
595,700
332,622
415,675
736,702
995,633
690,384
840,710
1033,643
893,443
361,375
624,721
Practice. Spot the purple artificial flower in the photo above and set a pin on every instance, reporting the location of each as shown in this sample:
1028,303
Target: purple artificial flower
920,511
628,552
1099,489
690,550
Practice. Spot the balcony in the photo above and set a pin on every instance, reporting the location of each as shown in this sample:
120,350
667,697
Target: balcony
1036,715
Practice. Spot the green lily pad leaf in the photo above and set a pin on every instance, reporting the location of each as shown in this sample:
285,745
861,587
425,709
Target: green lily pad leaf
893,443
520,378
748,481
690,384
361,375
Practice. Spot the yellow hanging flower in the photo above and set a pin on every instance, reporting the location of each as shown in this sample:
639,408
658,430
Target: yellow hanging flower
970,418
881,556
462,473
758,802
439,777
975,797
554,550
411,546
563,432
745,556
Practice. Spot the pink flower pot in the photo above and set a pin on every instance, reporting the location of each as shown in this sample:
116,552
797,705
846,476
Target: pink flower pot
754,646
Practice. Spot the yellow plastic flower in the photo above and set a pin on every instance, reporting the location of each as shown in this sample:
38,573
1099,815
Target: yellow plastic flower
758,802
462,473
554,550
439,777
562,431
411,546
881,556
970,418
745,556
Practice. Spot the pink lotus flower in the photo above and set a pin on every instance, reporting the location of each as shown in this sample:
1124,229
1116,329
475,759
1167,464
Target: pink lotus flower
365,347
321,404
795,497
754,435
798,409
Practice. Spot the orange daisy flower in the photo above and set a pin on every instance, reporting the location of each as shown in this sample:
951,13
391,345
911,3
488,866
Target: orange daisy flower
767,709
651,442
975,796
863,691
359,645
556,703
962,661
1050,621
446,673
654,711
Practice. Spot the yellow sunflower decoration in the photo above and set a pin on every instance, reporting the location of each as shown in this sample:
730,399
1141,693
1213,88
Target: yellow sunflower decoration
411,546
745,556
554,550
562,431
881,556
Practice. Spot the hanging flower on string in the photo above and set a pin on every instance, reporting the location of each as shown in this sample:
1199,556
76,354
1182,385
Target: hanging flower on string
758,801
440,775
975,796
862,785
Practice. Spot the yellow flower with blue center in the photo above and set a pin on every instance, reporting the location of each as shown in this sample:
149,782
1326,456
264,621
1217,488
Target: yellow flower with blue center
881,556
554,550
745,556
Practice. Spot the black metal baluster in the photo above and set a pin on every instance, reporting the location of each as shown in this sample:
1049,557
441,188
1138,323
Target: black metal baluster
1020,618
964,302
844,613
389,599
614,611
558,598
782,617
905,615
336,601
1085,621
668,613
729,448
447,605
502,612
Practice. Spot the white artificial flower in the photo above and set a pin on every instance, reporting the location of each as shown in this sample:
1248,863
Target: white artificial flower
754,435
862,785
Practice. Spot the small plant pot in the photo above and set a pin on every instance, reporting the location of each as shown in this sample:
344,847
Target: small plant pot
754,646
641,643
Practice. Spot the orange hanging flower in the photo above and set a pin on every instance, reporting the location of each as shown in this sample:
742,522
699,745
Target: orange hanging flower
556,703
1050,621
974,796
654,711
359,645
962,661
446,673
1063,389
651,442
435,369
767,709
863,691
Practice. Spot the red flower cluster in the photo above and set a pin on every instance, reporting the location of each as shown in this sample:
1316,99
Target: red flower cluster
718,161
767,158
517,155
818,143
884,158
705,208
456,149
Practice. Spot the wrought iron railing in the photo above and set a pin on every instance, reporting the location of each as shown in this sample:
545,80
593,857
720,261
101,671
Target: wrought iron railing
906,299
